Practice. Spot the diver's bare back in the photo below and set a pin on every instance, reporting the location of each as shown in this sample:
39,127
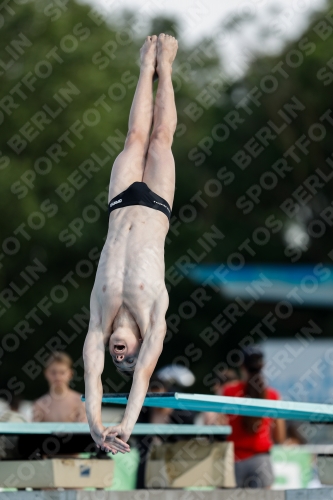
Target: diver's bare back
130,274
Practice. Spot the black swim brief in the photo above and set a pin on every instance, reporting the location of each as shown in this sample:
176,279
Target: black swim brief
139,193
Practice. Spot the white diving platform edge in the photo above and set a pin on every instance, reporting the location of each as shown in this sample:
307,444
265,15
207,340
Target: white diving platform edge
20,428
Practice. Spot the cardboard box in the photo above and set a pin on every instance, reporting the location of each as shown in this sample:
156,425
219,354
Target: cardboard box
56,473
194,462
325,469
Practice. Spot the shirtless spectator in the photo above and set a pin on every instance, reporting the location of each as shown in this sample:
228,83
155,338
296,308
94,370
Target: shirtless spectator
61,403
129,299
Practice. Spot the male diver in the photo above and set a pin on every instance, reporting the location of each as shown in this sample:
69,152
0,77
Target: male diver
129,299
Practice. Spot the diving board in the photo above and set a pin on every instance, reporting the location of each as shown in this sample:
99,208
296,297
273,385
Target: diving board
267,282
290,410
21,428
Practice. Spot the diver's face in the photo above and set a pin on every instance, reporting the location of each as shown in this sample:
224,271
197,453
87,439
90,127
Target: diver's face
124,349
122,361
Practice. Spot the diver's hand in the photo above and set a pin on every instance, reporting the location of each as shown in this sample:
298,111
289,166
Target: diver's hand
115,439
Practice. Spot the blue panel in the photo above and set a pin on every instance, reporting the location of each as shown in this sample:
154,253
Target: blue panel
270,283
237,406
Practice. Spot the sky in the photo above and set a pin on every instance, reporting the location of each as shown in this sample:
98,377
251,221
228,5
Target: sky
276,20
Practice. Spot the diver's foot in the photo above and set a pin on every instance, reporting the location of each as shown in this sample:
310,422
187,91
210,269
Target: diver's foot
167,47
148,53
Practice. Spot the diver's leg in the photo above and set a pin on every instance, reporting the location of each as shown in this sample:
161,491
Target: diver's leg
129,165
159,172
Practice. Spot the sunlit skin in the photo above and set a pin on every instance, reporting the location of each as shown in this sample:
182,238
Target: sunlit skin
58,376
61,403
129,299
124,348
125,341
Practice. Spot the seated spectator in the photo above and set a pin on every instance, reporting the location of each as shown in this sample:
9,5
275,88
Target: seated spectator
12,413
212,417
253,437
294,436
61,403
8,444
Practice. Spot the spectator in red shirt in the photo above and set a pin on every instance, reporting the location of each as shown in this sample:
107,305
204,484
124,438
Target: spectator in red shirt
253,437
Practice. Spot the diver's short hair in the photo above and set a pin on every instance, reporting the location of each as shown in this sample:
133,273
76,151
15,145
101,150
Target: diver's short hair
129,373
128,369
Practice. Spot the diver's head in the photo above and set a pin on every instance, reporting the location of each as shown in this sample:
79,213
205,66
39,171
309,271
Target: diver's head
124,348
